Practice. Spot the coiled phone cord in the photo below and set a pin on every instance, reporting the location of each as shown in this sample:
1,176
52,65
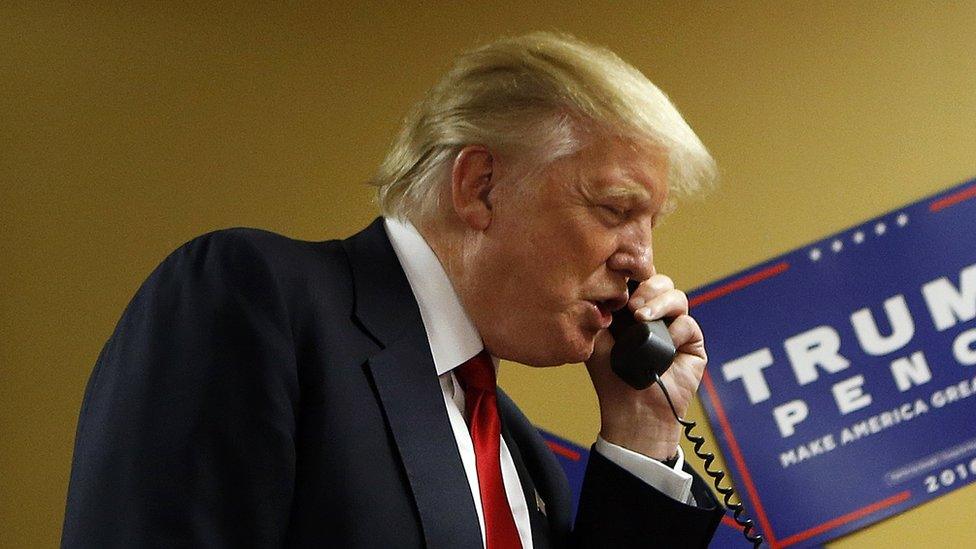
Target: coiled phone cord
717,475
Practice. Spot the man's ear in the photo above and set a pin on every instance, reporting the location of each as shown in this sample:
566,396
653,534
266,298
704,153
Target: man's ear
472,179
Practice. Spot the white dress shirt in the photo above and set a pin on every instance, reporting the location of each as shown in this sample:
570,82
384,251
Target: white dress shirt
454,339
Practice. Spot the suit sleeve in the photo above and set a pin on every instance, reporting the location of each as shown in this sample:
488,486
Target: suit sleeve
617,509
186,432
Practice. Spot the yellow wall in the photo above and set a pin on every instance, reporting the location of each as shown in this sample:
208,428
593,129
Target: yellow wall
125,131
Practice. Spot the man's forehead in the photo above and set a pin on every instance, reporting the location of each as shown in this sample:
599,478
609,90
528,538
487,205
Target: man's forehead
627,169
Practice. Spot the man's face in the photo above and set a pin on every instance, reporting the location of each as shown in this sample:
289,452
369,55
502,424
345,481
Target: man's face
555,259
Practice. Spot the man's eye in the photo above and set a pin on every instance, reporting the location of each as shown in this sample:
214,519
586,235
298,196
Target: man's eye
613,212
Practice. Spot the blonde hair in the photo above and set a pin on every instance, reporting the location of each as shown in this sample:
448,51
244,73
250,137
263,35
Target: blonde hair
535,98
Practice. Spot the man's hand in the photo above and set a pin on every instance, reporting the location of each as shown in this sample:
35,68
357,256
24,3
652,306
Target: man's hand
642,420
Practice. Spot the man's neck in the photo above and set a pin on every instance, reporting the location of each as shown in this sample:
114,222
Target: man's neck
452,335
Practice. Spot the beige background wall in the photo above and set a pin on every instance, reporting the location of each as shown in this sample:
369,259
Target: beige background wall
125,130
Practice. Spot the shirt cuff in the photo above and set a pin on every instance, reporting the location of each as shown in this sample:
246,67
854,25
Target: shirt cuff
673,482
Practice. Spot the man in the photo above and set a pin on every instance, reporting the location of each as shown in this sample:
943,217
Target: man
261,391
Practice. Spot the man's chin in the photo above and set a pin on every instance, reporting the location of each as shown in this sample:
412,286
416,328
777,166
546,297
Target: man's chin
565,354
571,348
576,351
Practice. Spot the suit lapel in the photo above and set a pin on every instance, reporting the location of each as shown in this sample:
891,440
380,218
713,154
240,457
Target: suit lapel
409,391
540,526
540,474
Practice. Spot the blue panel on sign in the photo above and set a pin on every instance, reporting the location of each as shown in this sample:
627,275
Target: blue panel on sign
842,376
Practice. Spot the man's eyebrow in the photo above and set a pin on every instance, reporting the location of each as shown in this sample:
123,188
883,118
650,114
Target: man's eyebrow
628,191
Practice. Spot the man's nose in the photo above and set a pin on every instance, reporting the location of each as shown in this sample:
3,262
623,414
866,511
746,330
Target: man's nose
634,261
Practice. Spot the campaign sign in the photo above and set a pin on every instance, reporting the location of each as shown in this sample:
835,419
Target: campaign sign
842,376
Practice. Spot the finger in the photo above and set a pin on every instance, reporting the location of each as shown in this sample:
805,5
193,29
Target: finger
687,336
649,289
670,304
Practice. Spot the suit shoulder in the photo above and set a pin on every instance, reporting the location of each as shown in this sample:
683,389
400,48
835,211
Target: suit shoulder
250,264
244,250
249,240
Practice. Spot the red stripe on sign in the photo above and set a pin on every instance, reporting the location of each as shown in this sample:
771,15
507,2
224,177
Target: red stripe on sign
723,421
729,521
739,283
562,450
953,199
844,519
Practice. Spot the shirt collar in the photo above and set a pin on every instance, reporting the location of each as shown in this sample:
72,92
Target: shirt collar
452,335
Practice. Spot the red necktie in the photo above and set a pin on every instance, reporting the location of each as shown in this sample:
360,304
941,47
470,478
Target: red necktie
477,376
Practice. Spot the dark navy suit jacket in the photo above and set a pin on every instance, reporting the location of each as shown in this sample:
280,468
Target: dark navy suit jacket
263,392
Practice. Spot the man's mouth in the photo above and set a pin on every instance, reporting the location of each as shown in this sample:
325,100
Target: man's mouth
612,304
606,307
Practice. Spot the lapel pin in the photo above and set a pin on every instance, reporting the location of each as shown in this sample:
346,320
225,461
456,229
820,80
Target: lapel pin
539,504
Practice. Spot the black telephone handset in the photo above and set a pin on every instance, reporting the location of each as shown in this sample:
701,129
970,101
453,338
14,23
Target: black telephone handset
642,352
